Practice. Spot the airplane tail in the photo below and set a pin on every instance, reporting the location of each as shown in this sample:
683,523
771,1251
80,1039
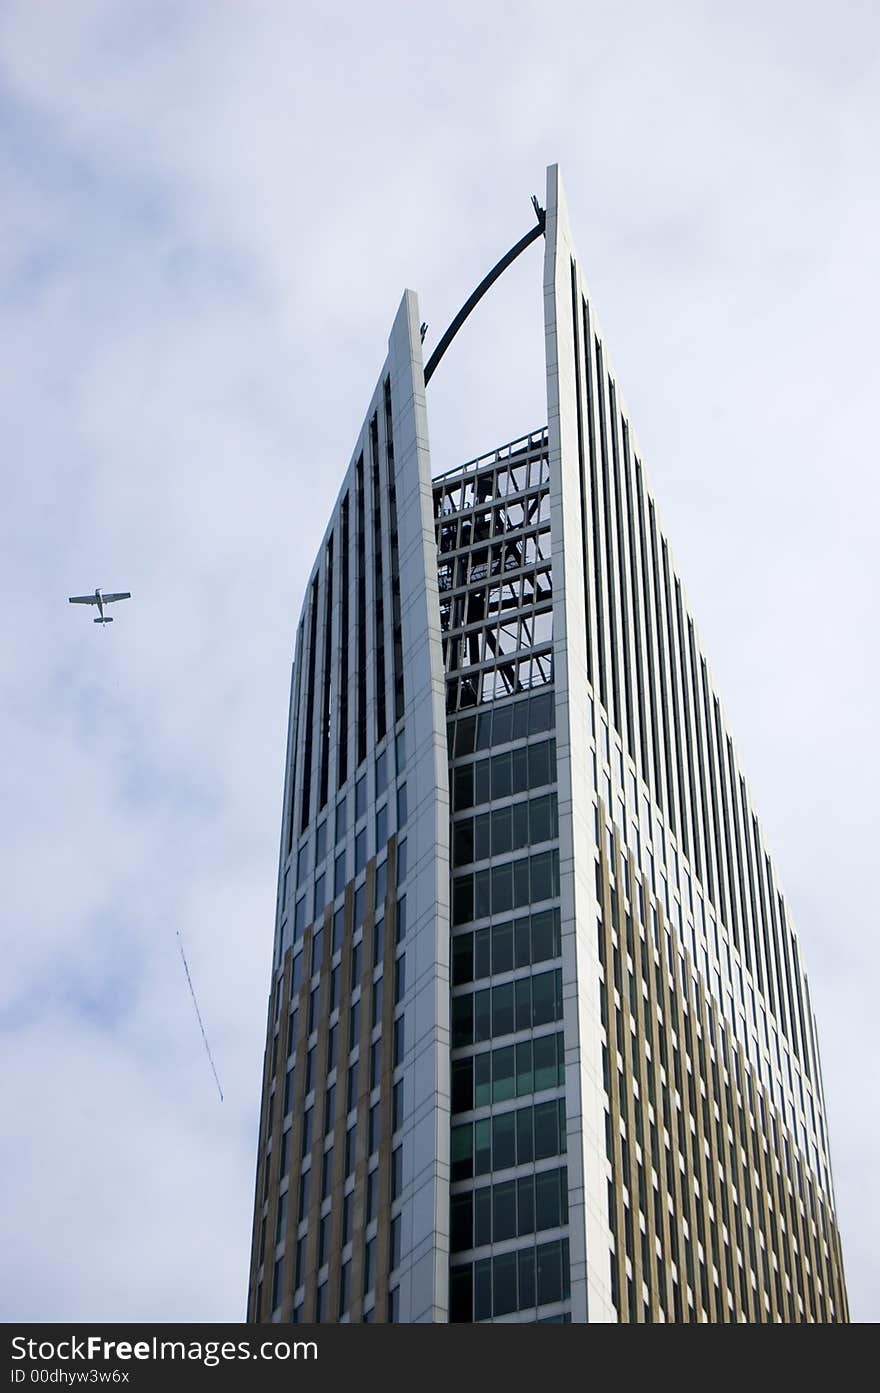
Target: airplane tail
107,620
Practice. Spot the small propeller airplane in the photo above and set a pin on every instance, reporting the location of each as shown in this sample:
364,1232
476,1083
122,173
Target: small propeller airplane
100,599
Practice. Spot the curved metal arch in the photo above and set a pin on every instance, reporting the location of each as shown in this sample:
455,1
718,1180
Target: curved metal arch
476,297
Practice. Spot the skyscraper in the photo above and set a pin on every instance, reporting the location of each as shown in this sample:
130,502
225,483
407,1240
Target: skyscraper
540,1046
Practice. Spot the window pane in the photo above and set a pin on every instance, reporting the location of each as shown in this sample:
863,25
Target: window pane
504,1211
546,1130
482,1147
463,899
463,788
482,894
462,1151
462,1085
523,1003
482,1020
547,1212
526,1266
502,828
462,959
461,1222
524,1143
540,820
462,1020
502,888
463,842
502,947
549,1266
545,1062
483,1289
502,1009
541,876
541,712
481,953
539,764
481,782
502,728
525,1204
543,935
461,1286
520,832
543,998
481,1079
521,882
464,735
504,1283
522,943
482,837
503,1079
503,1141
501,785
520,770
482,1216
524,1082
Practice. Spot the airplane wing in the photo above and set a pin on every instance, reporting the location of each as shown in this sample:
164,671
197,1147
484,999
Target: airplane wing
120,595
83,600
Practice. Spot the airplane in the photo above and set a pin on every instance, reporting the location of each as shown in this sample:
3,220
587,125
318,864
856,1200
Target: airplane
100,599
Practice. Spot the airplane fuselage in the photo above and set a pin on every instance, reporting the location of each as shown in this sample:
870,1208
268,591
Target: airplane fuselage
99,601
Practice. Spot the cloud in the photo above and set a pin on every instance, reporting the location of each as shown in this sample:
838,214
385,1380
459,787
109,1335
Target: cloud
210,214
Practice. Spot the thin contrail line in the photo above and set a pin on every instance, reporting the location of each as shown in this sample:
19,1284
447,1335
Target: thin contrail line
198,1014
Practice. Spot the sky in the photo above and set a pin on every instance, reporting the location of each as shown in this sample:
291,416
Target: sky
210,213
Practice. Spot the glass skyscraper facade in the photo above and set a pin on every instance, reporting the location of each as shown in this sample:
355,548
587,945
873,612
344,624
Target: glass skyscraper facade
540,1046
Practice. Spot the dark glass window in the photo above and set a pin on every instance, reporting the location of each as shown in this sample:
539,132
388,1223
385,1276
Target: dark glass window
503,1141
483,1289
299,918
482,1146
461,1288
481,953
401,919
503,1074
504,1284
462,1152
525,1205
482,1216
306,1132
462,959
462,1085
396,1172
317,952
504,1211
305,1182
461,1222
462,1020
502,1009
